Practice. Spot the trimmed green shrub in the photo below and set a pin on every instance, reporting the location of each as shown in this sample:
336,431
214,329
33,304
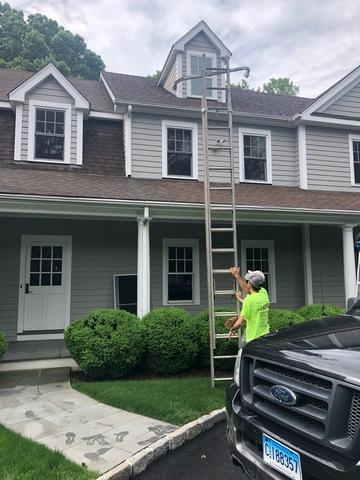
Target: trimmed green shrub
312,312
200,333
106,343
3,345
170,347
279,318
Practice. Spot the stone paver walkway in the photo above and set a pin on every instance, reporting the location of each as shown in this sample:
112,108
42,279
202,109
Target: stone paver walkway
42,405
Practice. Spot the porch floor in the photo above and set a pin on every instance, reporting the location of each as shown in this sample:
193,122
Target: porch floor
42,405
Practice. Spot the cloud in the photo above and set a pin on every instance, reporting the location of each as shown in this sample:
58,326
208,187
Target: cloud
312,42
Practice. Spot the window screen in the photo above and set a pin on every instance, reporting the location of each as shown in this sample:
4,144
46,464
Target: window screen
196,66
49,134
255,157
180,274
125,293
356,153
179,152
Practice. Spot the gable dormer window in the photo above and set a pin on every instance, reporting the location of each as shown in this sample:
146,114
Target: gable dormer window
49,134
195,61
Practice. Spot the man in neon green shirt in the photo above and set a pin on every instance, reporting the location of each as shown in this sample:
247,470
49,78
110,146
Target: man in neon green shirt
255,309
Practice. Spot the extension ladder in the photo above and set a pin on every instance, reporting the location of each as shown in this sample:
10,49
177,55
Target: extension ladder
220,218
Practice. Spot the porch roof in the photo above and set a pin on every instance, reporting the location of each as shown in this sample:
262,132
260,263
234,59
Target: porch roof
70,184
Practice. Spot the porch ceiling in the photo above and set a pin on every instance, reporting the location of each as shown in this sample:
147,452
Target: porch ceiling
68,188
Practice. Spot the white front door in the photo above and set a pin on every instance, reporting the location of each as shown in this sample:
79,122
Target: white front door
44,300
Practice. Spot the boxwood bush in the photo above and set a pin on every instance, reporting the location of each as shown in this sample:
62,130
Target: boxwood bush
312,312
200,333
3,345
106,343
170,347
279,318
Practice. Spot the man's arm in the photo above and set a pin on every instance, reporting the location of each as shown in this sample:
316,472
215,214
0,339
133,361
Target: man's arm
235,272
239,322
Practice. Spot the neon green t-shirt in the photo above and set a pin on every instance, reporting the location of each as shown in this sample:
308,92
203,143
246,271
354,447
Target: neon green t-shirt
255,310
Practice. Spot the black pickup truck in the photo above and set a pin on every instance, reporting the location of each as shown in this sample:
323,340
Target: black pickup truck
293,410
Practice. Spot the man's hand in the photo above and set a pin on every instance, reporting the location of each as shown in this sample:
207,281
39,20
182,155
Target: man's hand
235,272
231,333
239,297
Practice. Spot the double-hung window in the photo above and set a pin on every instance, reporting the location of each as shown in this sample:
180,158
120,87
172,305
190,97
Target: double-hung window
354,146
179,150
49,134
180,271
259,255
255,155
195,67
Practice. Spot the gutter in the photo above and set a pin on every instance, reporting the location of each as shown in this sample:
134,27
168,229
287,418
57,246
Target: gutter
171,204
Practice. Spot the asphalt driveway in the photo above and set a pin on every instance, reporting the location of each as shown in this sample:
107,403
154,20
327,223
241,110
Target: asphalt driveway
204,458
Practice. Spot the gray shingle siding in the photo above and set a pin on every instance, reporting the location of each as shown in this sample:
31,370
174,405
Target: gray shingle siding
147,150
328,159
347,105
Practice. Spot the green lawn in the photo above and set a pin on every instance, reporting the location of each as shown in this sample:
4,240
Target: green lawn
173,400
23,459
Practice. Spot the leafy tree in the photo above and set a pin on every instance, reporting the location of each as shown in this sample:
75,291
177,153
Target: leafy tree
281,86
31,43
155,75
242,85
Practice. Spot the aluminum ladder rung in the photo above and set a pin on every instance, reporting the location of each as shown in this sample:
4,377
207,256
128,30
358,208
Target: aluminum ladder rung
217,357
220,270
218,109
218,128
224,314
222,229
220,188
222,379
224,292
224,336
223,250
216,88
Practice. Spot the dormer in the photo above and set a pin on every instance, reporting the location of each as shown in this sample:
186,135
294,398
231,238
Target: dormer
49,118
186,58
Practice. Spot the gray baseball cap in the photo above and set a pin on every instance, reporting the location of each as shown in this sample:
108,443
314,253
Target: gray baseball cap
256,278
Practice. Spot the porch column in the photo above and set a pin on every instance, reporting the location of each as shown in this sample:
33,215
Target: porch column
349,261
309,299
143,264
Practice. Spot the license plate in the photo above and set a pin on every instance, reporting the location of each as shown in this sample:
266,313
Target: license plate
281,458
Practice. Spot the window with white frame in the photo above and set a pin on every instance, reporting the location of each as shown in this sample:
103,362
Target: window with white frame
195,62
255,155
49,134
259,255
179,150
181,272
354,144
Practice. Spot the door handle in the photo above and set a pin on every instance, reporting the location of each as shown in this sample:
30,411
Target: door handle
26,288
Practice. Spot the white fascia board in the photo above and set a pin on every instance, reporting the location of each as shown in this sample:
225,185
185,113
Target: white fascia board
18,94
331,121
6,105
52,206
106,115
202,27
335,92
108,89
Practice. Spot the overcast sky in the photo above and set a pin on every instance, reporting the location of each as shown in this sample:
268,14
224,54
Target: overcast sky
313,42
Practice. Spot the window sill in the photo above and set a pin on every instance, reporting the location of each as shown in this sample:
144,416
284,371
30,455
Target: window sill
175,304
179,177
38,160
255,181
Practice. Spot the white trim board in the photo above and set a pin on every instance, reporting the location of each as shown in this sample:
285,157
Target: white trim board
18,94
165,124
178,242
256,132
128,140
269,244
18,131
66,107
352,138
302,157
